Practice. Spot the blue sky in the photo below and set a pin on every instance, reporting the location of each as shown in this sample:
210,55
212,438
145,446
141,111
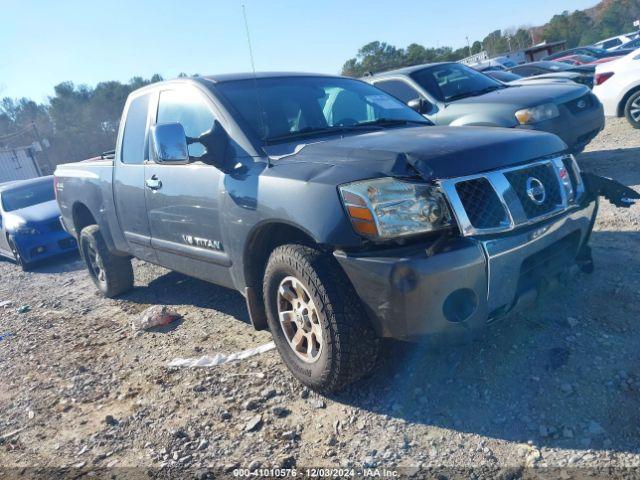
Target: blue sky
44,42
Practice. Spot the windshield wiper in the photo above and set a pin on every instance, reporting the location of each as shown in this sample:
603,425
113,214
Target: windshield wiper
308,131
373,124
389,122
475,93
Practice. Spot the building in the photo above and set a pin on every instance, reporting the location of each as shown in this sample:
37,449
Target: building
18,164
510,59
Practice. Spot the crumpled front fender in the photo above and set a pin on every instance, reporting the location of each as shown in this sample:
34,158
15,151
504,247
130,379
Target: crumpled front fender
618,194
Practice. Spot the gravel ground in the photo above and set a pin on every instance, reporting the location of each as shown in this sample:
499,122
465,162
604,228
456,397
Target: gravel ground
558,386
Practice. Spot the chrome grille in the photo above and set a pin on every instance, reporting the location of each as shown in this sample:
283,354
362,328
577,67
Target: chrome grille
506,199
481,203
547,175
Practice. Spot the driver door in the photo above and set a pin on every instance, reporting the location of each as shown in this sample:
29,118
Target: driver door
183,199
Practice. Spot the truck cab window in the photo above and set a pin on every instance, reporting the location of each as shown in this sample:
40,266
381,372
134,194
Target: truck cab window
399,89
189,108
134,138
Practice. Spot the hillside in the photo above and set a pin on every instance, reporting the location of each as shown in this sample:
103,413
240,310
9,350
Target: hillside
581,27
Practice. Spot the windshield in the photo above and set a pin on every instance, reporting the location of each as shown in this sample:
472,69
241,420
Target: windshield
27,196
453,81
295,107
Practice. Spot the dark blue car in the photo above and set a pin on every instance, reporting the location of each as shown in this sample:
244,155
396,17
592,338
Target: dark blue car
30,228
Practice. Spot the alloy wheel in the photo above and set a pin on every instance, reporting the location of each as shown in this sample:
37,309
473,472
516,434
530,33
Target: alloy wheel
634,110
299,320
95,264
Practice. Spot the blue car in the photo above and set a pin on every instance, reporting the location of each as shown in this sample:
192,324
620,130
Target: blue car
30,228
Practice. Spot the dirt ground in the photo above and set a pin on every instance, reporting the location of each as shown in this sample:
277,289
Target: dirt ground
558,386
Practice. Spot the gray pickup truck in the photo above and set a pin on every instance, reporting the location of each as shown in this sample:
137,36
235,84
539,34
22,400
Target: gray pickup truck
340,214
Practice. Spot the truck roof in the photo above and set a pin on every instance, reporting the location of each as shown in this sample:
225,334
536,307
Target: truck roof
228,77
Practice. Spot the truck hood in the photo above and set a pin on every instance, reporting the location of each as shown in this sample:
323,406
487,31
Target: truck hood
34,214
430,152
516,97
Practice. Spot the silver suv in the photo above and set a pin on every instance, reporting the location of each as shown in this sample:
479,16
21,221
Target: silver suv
454,94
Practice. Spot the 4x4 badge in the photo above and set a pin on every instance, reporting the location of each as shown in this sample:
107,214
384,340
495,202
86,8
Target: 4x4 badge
536,191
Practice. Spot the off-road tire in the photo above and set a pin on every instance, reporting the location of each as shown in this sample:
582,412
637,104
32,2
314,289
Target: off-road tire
17,257
117,275
633,102
350,346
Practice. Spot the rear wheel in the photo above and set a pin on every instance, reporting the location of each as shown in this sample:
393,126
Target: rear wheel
316,319
632,110
17,257
112,274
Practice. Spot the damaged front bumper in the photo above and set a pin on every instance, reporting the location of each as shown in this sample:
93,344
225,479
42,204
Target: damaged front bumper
452,293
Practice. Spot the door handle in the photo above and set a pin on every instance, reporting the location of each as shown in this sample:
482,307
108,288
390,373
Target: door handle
153,183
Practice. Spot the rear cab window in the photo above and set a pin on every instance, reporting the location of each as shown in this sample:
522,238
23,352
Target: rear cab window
134,140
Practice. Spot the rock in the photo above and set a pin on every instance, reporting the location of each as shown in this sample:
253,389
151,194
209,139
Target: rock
280,412
304,393
225,415
319,404
202,474
23,309
533,456
79,465
254,424
180,433
203,445
289,435
287,461
110,420
268,393
369,462
255,465
251,404
572,322
154,316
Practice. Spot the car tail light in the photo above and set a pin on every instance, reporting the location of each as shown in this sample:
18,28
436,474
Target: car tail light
603,77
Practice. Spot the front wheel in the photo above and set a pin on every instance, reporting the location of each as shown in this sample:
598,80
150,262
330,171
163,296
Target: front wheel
112,274
316,319
17,257
632,110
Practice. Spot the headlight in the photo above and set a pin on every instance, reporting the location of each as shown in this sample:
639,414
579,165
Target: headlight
386,208
24,230
547,111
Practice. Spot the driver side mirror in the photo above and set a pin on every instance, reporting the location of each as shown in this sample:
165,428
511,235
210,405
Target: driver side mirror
420,105
170,143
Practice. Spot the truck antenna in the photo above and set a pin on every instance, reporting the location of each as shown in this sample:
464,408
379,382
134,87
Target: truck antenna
255,79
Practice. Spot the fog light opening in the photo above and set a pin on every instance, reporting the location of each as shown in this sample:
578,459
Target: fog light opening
460,305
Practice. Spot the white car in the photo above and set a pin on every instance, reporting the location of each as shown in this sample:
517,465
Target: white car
615,42
617,86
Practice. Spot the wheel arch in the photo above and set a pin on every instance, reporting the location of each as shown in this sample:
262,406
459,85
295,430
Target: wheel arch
263,239
82,217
